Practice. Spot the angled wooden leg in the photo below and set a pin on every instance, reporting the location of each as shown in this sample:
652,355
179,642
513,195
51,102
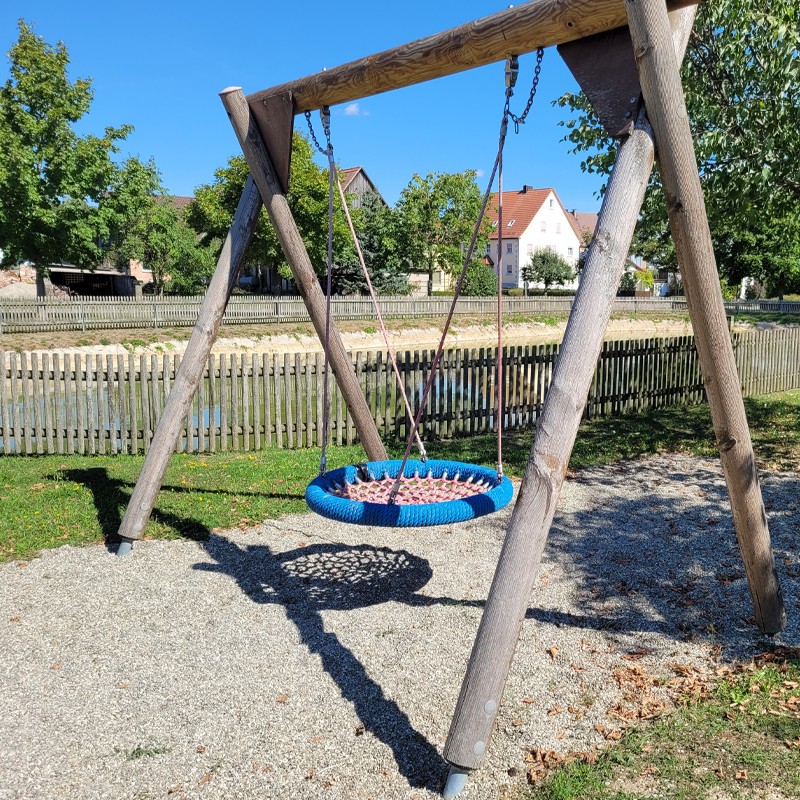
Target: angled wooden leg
193,364
666,107
557,428
280,215
530,523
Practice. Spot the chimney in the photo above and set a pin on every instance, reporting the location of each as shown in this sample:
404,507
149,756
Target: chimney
526,188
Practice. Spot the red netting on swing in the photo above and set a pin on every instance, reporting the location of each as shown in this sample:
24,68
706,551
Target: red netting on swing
413,491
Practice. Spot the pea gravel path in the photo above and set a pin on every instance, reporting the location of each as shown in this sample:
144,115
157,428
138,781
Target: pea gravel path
307,659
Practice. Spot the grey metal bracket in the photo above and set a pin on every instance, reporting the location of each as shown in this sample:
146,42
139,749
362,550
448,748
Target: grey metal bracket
274,117
605,68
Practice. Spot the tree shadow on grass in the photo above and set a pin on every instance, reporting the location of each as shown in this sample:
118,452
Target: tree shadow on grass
111,497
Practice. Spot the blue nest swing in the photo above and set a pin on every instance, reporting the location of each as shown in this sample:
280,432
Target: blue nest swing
328,495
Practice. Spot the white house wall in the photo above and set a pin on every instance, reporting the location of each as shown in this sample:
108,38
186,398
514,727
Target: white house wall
558,235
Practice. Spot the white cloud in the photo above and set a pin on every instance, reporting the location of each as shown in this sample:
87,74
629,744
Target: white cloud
352,110
480,173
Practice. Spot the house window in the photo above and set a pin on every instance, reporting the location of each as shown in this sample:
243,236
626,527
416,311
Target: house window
509,269
544,227
510,223
488,249
569,251
509,247
558,227
530,249
551,202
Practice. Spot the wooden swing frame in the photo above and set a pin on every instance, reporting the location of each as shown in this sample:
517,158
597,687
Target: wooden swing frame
658,32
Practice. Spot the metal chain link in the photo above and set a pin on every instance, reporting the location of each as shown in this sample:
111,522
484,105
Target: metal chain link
325,115
512,69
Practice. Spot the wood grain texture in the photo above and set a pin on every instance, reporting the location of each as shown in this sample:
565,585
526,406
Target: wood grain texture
660,78
490,661
193,364
262,171
516,30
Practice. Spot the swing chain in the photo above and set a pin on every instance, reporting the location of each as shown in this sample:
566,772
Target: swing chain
512,71
325,116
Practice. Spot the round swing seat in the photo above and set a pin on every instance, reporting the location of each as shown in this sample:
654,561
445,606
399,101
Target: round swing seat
431,493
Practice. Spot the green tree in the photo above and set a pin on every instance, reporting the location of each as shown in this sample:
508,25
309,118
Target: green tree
437,217
376,228
547,267
741,78
212,213
480,281
769,252
146,226
51,179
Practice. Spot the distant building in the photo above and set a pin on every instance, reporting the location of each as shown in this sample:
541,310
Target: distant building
356,182
532,219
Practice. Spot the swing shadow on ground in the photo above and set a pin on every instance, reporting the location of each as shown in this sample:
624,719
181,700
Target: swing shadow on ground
309,580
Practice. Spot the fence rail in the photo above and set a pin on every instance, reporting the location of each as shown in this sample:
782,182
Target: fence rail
111,403
82,313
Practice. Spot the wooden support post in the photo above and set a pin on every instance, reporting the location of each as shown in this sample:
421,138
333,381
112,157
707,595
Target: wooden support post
304,276
506,606
666,107
192,365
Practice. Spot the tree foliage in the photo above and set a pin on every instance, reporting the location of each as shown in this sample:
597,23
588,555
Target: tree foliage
377,229
437,217
480,281
52,180
741,78
146,226
548,268
212,212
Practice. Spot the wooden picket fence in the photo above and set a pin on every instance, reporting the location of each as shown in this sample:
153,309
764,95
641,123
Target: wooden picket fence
111,403
98,313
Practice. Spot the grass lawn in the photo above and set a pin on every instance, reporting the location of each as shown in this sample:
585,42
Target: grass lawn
52,500
736,735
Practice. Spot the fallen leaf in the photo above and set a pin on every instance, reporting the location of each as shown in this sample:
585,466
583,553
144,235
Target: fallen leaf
174,789
649,771
553,651
635,655
517,722
741,775
201,749
122,686
204,780
560,735
282,698
37,486
15,619
310,774
613,736
56,666
554,710
719,772
647,748
528,700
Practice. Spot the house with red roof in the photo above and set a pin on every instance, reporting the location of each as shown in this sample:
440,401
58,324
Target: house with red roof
532,219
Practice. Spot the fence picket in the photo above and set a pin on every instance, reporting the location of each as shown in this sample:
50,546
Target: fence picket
6,416
287,400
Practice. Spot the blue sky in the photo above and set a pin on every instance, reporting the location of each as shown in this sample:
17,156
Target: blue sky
160,67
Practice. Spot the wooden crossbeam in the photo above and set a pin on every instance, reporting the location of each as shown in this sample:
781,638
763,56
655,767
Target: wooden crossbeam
516,30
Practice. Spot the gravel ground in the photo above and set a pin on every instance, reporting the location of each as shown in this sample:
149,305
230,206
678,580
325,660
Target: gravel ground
307,659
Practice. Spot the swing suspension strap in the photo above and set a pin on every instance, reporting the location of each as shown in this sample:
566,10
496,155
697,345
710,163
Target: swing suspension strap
512,70
333,172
